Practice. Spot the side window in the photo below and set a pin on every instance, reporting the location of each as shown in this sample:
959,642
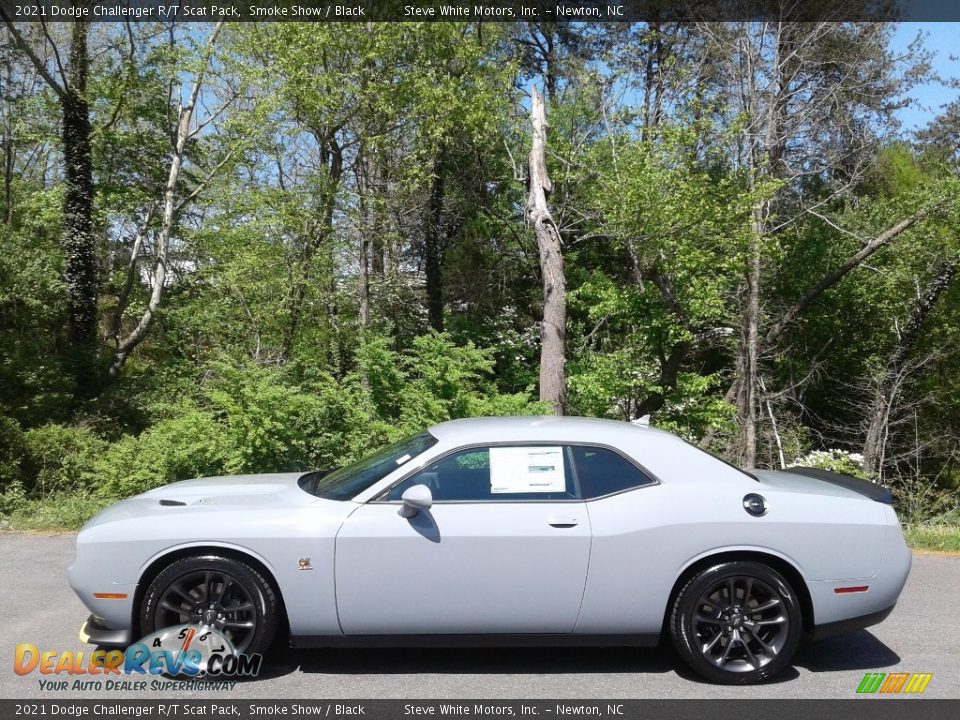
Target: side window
602,472
508,473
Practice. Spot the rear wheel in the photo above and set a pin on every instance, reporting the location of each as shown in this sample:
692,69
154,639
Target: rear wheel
736,622
212,591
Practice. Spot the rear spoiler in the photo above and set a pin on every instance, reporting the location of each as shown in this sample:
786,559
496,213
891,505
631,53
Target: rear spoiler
864,487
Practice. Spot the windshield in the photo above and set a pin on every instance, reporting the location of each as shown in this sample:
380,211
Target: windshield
345,483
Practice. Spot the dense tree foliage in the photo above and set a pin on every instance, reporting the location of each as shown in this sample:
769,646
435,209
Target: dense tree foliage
271,247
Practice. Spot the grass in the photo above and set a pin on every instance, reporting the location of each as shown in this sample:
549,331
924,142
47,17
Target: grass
54,514
943,538
68,512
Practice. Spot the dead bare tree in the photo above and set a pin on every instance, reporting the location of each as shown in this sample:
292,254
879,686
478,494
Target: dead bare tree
796,126
788,316
553,332
897,368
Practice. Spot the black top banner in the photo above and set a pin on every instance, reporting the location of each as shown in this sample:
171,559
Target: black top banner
478,10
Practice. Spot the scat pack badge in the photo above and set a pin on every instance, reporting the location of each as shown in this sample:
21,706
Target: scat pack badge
305,564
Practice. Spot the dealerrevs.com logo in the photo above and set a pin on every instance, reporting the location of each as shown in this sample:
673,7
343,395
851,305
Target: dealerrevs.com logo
894,683
182,651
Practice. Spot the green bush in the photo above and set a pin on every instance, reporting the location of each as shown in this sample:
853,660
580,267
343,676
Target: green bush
12,497
191,444
11,452
432,381
252,419
274,422
60,459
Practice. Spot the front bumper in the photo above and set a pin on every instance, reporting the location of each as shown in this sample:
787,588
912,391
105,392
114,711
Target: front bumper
93,631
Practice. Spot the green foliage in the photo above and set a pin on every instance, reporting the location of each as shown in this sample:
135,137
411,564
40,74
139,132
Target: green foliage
190,444
270,423
11,451
57,512
61,459
348,146
32,305
12,499
434,380
252,419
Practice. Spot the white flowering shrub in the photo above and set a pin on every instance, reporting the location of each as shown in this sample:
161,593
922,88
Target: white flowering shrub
836,460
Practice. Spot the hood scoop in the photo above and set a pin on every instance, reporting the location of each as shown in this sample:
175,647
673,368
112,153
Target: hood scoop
229,499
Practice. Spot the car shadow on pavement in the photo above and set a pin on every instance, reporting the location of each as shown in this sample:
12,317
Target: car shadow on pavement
857,651
466,661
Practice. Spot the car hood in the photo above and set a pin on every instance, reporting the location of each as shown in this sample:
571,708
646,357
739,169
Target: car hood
213,494
234,488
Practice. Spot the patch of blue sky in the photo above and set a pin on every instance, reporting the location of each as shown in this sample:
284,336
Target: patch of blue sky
928,99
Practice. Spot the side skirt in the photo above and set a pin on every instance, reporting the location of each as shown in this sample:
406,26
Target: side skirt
474,641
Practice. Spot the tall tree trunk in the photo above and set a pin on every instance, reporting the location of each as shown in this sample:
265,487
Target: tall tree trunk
433,245
748,350
553,328
889,384
778,328
7,170
367,228
8,155
317,235
653,80
364,282
77,238
79,243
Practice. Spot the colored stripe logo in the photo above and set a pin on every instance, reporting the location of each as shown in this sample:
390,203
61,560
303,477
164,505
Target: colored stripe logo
892,683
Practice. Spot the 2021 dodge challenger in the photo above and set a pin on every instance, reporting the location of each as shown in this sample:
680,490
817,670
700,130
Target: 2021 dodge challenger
512,531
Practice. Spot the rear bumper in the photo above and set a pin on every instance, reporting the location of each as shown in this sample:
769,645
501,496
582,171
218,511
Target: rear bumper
851,624
93,631
864,600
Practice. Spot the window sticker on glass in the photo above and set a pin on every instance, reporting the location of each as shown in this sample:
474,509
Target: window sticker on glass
527,470
402,459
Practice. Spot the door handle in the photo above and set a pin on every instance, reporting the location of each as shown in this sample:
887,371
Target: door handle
563,522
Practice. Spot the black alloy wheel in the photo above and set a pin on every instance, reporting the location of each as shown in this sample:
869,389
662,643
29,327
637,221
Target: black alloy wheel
216,592
736,623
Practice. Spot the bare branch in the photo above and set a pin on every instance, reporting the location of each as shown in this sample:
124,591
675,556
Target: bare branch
884,238
169,216
41,67
56,56
201,186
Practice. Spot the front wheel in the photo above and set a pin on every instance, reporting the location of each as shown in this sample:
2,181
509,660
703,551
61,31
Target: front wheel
217,592
736,623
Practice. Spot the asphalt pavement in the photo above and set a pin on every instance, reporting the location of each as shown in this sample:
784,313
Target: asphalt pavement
922,635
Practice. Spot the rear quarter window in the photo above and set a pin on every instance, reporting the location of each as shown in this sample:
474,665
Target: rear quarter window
603,472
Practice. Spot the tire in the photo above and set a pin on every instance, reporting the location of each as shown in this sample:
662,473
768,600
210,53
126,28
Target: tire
736,623
244,603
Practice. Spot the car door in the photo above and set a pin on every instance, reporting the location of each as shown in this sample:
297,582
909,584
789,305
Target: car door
503,549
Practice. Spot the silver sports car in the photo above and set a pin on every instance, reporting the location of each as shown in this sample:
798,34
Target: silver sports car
506,531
